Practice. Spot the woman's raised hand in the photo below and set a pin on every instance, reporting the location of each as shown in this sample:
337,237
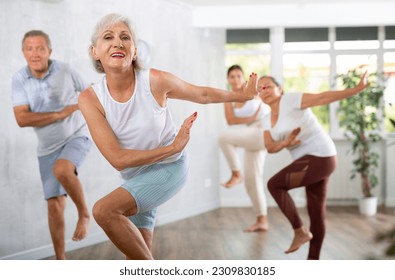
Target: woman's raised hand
363,83
249,89
182,137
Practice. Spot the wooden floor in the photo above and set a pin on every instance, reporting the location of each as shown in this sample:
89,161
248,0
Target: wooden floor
218,235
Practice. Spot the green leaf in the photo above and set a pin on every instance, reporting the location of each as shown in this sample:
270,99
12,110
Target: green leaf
358,115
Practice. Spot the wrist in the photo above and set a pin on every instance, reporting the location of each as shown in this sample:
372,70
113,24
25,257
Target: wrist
58,116
172,149
283,144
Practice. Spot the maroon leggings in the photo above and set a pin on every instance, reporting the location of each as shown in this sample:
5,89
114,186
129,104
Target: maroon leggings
313,173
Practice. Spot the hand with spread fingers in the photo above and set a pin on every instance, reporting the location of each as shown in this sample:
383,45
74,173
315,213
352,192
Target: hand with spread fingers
249,88
291,140
363,83
182,137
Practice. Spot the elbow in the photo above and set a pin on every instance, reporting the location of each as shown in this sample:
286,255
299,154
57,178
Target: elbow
204,98
119,161
117,164
21,123
231,122
270,149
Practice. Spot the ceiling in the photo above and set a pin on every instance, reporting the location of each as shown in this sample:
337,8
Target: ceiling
246,14
206,3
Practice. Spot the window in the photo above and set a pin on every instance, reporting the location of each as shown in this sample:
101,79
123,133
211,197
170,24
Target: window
249,48
306,65
351,61
308,73
252,58
310,59
389,93
354,38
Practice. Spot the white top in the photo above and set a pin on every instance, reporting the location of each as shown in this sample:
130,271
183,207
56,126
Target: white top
139,123
314,140
250,107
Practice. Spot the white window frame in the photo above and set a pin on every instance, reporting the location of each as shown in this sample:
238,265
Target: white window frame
277,39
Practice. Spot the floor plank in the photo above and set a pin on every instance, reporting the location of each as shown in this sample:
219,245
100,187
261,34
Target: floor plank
218,235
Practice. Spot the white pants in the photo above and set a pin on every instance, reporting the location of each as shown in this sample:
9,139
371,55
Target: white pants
250,138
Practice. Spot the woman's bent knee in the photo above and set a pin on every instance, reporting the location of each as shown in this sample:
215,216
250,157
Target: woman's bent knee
100,214
271,186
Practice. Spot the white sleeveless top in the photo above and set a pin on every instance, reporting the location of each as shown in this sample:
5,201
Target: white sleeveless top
139,123
250,107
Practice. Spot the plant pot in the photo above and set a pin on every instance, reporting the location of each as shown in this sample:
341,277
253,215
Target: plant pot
368,206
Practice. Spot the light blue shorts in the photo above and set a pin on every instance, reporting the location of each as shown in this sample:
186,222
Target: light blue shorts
154,186
74,151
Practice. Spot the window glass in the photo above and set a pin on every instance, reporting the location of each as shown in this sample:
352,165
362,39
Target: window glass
389,93
308,73
251,57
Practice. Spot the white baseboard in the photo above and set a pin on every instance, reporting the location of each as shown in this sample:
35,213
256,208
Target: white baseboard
390,202
47,250
234,202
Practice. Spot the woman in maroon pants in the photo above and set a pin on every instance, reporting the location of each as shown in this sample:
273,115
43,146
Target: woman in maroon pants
295,127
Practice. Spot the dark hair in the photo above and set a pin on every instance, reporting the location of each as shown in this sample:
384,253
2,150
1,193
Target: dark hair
271,78
37,33
235,67
274,81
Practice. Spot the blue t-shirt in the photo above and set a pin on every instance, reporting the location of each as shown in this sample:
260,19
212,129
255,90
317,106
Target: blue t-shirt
57,89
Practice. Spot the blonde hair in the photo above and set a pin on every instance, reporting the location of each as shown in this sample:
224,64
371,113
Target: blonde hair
106,22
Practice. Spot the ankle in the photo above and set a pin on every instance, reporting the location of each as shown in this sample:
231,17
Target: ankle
301,231
84,215
261,219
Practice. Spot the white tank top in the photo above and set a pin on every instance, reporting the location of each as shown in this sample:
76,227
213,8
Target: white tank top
250,107
139,123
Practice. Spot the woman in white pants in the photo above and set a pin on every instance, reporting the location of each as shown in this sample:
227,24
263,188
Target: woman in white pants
250,139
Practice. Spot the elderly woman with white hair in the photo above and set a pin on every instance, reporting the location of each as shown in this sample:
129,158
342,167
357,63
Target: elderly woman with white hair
132,127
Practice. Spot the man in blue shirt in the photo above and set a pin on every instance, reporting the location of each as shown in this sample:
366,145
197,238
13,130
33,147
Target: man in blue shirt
45,97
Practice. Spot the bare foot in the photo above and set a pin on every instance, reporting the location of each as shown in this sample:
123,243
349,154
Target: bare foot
302,236
234,180
258,226
81,231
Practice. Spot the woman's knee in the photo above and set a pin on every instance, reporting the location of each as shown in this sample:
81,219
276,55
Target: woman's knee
101,213
271,185
222,139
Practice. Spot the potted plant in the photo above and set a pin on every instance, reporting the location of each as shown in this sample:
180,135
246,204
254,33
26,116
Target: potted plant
360,116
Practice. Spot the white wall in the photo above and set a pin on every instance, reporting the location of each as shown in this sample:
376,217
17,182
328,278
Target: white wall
193,54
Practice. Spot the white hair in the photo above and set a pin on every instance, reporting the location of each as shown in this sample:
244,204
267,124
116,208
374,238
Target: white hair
106,22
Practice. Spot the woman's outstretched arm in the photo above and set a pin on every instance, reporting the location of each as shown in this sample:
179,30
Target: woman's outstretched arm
167,84
326,97
107,143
